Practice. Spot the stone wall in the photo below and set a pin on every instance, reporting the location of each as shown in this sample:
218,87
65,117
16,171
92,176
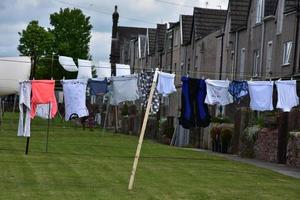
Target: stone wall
266,145
293,150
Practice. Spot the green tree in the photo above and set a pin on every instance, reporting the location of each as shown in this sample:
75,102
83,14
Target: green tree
72,34
35,42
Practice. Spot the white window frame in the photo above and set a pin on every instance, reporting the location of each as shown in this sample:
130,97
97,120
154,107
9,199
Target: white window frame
287,50
269,58
256,63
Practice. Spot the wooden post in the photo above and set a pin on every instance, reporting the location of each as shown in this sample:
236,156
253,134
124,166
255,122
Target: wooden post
138,150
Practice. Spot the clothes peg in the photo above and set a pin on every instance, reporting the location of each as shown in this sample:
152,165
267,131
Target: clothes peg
291,78
203,77
187,74
251,79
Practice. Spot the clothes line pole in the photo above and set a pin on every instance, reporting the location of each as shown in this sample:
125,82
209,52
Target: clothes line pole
138,150
48,127
27,145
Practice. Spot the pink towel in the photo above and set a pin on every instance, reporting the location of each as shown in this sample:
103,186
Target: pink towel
43,93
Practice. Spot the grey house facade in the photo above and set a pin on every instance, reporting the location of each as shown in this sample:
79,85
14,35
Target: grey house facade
256,39
261,39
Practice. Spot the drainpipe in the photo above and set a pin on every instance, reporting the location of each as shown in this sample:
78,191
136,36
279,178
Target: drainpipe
262,40
171,67
235,54
296,41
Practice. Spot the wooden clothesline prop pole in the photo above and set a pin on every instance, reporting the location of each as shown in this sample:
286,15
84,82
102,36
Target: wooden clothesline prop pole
139,147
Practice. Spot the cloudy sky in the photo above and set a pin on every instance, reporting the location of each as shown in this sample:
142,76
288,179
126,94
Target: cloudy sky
15,15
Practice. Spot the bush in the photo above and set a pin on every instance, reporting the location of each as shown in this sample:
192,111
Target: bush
215,138
124,111
220,120
248,139
226,135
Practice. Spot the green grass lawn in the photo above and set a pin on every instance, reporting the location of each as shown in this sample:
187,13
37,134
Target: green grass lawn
97,165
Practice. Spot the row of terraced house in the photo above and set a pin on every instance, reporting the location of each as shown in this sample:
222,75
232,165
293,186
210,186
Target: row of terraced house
252,39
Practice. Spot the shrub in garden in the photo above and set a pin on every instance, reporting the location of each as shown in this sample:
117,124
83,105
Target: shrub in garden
226,135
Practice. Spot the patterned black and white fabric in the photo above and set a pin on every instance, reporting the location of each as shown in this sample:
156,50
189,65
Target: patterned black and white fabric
145,83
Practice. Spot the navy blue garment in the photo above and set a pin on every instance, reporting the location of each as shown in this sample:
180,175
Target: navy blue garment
238,90
186,119
97,87
194,112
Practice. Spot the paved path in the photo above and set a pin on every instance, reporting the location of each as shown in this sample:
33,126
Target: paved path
280,168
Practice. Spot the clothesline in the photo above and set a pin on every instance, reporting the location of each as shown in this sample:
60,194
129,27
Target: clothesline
245,73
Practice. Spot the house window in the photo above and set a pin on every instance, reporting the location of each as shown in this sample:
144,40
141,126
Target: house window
176,34
169,41
256,63
259,10
269,58
242,64
287,48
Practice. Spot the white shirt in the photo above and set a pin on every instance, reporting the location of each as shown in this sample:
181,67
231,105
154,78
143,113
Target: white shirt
287,95
217,92
261,95
75,96
165,85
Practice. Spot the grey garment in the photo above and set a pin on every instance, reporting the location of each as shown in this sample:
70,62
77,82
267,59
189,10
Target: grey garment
24,101
124,88
181,136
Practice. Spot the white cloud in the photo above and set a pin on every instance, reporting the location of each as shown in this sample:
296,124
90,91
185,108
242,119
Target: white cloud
100,46
15,15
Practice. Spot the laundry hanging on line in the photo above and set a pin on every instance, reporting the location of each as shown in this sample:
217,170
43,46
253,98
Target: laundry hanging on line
75,98
194,111
145,83
217,92
238,90
165,84
261,95
124,88
287,95
98,86
24,103
43,93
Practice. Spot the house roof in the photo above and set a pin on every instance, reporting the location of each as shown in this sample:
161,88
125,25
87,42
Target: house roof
125,33
290,5
270,7
173,24
186,28
239,11
207,21
151,40
160,36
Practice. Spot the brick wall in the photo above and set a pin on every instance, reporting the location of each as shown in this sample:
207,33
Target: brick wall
265,147
293,150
